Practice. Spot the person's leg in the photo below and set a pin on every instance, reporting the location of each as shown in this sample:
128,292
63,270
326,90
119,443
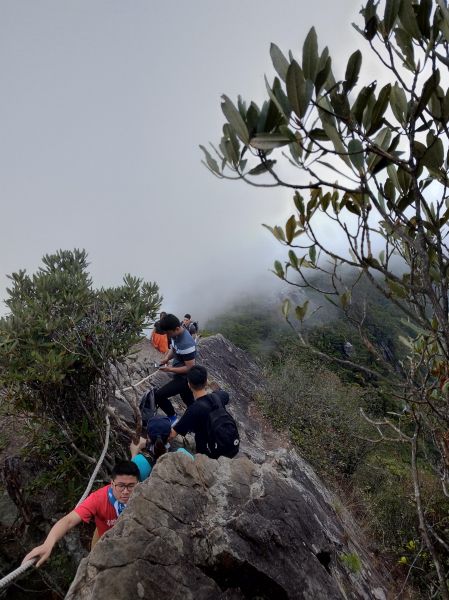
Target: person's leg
186,393
172,388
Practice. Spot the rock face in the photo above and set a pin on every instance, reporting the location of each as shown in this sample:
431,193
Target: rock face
259,526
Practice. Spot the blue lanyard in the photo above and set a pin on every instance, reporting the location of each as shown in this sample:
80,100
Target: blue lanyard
118,506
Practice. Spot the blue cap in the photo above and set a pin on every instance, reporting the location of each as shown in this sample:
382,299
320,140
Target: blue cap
158,426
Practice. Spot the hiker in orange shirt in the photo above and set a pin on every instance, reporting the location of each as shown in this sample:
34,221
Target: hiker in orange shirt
159,339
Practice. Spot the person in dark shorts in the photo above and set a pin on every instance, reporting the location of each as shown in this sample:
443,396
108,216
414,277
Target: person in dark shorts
183,352
195,418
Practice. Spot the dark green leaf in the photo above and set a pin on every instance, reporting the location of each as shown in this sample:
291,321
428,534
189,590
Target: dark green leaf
211,162
310,55
318,134
444,21
404,202
283,107
299,89
262,168
274,117
391,14
323,75
353,208
428,89
340,104
408,19
382,141
280,63
294,259
269,141
379,109
423,17
356,154
361,102
235,146
336,140
312,254
404,41
352,71
290,228
370,28
282,99
389,190
398,102
434,155
252,117
299,202
235,119
278,269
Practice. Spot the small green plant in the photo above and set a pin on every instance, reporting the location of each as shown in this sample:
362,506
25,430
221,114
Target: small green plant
352,561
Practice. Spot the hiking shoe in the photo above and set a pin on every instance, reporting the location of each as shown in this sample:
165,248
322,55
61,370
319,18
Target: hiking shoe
174,419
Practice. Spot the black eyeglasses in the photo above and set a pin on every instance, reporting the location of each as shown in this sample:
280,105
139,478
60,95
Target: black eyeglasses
125,486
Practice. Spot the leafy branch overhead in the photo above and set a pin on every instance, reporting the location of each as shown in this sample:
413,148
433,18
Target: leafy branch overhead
367,161
376,152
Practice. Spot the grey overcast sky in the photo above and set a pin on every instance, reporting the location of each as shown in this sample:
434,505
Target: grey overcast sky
103,105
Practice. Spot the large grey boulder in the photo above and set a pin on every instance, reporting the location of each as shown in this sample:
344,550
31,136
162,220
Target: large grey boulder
259,526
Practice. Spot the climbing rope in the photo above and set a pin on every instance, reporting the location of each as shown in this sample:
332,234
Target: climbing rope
130,387
8,579
99,462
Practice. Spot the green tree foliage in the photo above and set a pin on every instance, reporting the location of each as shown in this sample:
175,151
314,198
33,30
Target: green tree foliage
59,342
373,161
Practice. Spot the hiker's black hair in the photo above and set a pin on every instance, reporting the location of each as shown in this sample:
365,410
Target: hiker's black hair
169,323
125,467
187,316
159,448
197,377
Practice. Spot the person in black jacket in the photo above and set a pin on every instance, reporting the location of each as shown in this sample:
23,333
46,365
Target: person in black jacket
196,415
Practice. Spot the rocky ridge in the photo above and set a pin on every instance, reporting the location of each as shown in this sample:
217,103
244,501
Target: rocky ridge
260,526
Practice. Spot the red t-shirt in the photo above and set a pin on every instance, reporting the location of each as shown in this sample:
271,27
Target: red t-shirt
97,506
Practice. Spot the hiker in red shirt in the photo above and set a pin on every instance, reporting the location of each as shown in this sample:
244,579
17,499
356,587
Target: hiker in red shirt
105,506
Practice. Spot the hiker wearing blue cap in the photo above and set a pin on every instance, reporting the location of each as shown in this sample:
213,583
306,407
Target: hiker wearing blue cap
158,431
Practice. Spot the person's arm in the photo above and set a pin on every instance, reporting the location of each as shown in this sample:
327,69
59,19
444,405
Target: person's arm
185,368
139,459
185,423
136,448
167,357
58,531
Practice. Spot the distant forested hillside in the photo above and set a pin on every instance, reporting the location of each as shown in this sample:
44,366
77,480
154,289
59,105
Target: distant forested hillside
318,403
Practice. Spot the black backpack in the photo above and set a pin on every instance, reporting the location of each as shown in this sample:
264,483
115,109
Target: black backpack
222,433
147,406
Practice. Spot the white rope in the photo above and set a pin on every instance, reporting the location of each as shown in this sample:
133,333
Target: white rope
130,387
8,579
99,463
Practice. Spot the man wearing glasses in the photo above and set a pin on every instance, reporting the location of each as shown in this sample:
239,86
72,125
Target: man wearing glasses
105,506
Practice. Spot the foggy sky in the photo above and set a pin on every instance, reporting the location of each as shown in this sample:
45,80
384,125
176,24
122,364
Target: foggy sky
103,105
